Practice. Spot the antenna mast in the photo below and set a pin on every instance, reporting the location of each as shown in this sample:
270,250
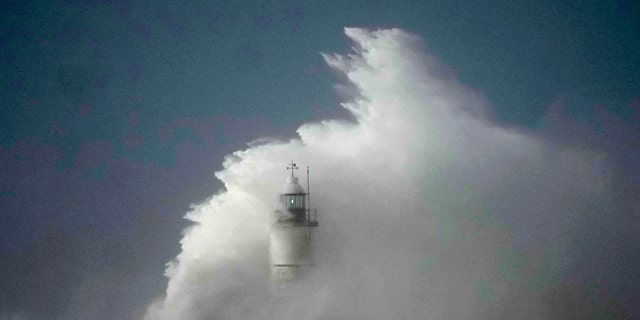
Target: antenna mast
308,189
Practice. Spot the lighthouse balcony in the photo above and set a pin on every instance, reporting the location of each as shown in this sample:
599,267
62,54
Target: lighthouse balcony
305,217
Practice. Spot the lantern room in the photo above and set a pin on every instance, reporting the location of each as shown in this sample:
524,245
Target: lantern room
293,195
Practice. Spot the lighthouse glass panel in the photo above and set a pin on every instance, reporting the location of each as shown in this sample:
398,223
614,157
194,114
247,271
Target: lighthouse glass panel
294,201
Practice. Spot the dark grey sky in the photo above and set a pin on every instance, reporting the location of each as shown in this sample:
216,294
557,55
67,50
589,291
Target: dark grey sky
116,113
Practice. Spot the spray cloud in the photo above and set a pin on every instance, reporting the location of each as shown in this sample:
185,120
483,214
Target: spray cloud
427,208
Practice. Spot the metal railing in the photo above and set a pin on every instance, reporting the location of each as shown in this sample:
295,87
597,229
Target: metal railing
311,215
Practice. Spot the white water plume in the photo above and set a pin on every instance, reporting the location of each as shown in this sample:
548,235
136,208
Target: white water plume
422,202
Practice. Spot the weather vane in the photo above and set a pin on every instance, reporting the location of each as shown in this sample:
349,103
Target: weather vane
292,166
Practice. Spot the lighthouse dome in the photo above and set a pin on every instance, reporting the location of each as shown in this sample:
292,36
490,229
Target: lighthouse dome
292,186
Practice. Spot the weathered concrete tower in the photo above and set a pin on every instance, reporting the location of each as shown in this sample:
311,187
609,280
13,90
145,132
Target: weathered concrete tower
290,246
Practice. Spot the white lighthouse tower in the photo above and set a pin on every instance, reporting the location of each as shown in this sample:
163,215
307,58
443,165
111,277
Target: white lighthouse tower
290,246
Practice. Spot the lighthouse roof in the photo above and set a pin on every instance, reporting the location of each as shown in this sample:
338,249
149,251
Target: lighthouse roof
292,186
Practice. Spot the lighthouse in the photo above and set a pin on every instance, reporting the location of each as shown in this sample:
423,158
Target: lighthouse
290,245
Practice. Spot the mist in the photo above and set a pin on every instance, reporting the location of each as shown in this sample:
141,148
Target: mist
429,208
